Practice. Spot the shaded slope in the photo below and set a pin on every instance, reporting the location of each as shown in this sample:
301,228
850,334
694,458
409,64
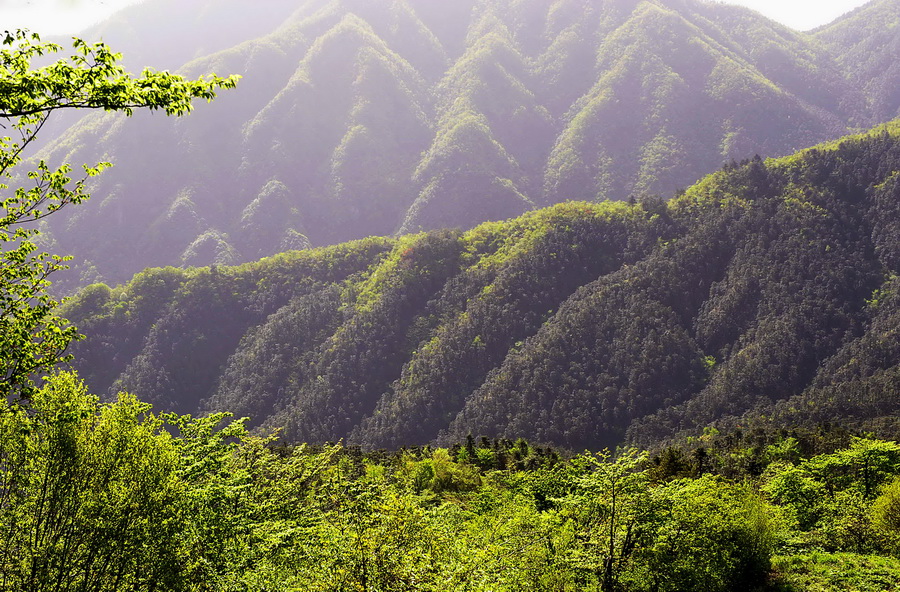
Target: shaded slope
764,293
375,117
867,43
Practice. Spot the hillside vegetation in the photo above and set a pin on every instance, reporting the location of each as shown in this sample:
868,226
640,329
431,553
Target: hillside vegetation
114,497
766,294
374,117
744,334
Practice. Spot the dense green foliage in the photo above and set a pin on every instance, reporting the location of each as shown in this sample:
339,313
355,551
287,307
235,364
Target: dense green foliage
107,497
764,295
374,117
104,497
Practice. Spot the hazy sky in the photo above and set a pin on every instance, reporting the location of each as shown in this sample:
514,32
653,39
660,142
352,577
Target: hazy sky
801,14
51,17
70,16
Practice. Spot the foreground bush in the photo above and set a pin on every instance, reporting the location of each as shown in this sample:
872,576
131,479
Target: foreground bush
107,497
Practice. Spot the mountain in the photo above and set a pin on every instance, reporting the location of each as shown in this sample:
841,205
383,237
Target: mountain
374,117
766,294
867,45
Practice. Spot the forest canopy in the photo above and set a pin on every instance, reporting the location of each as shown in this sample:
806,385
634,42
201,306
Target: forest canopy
760,296
109,497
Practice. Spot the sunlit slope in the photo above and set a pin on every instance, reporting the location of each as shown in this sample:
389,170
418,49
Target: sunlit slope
764,293
369,117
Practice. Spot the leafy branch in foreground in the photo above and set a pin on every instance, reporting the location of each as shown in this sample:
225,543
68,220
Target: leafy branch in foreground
32,340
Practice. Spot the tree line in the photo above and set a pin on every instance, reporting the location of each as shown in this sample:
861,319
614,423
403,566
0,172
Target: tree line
113,496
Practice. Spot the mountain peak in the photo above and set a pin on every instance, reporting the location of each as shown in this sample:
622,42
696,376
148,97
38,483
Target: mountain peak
350,105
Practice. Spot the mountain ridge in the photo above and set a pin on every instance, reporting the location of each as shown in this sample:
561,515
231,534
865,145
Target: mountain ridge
764,292
387,118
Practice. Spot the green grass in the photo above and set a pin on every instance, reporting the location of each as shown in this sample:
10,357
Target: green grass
838,572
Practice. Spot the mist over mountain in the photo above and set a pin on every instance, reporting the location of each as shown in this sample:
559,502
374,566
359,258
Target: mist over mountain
766,294
454,295
376,117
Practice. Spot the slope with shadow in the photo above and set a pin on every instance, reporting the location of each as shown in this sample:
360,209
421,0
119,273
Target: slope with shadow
375,117
764,294
867,44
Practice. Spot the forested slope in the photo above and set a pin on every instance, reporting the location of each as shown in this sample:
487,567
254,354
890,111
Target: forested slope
369,117
765,293
866,44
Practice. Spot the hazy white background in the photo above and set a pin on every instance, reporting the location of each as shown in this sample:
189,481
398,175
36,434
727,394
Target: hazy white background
801,14
58,17
50,17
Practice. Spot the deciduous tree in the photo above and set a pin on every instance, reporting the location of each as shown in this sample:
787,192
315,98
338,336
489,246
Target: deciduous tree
32,339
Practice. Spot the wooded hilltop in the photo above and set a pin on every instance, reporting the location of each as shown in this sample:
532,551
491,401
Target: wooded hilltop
765,294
